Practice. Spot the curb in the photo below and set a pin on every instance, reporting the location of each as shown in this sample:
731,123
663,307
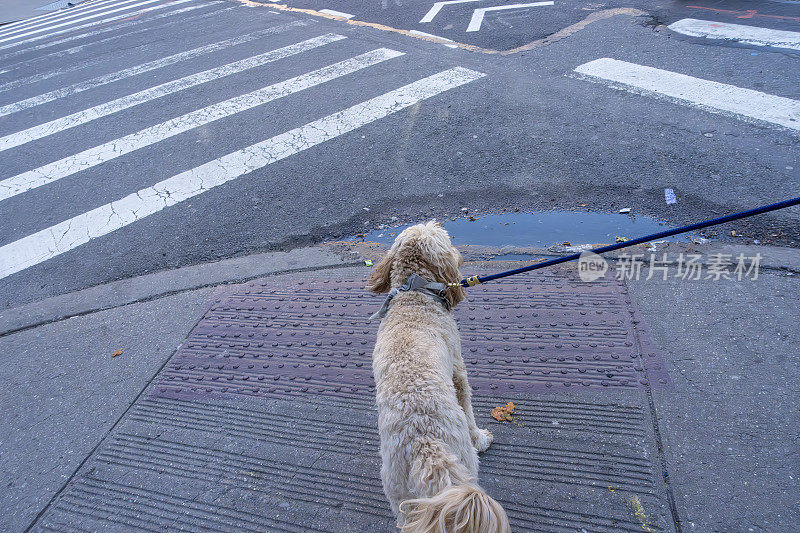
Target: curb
166,283
241,269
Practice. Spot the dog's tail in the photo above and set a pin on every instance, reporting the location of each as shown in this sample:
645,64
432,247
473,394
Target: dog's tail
458,509
458,504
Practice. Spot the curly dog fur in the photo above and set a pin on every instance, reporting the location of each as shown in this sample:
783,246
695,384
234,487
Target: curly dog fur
429,440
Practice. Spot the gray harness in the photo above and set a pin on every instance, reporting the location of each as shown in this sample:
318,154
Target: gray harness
415,283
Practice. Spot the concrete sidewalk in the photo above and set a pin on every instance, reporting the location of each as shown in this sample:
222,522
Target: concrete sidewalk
644,405
14,10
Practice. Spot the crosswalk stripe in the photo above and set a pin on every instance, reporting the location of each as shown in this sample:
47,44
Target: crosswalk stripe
61,21
138,69
99,31
79,230
74,65
50,16
752,35
146,137
169,3
708,95
70,23
108,108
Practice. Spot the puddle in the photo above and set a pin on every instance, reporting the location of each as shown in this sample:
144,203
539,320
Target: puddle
542,230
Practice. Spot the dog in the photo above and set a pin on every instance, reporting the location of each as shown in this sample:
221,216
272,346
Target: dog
429,439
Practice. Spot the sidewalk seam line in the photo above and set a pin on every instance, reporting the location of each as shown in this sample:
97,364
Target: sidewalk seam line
173,292
673,508
114,426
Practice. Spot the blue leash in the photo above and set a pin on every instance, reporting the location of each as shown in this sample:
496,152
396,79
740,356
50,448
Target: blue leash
475,280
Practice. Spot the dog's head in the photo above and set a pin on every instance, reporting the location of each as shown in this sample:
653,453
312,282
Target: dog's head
424,249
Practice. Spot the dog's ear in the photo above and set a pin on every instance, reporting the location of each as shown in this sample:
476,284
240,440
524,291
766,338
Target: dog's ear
380,279
443,260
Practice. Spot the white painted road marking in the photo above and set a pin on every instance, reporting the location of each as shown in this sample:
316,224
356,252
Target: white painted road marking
438,7
74,232
423,34
62,24
108,108
137,69
96,23
737,32
336,13
477,15
62,21
709,95
119,147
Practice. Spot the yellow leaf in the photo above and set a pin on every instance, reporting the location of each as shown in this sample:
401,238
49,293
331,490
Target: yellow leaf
503,413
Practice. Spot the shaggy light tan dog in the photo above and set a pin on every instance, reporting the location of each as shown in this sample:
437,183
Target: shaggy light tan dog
429,440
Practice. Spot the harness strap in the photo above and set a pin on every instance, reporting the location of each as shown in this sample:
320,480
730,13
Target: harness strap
419,284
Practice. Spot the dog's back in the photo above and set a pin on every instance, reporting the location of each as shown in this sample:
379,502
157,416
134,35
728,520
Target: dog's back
430,465
429,439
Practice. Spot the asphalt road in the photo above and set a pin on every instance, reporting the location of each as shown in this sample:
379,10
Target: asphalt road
513,131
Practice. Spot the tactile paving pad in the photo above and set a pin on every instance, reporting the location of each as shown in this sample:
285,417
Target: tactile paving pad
264,419
549,331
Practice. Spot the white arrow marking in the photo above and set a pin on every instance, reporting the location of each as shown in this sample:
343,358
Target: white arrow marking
438,7
477,15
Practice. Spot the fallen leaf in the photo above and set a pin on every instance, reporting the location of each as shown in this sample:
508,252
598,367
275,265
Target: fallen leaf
621,239
116,353
566,243
503,413
733,233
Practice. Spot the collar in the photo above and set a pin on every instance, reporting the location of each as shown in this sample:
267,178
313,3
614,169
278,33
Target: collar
415,283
